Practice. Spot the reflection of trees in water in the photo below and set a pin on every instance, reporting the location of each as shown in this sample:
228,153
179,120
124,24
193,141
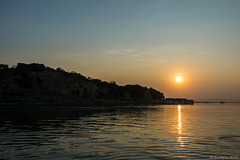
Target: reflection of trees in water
70,128
35,119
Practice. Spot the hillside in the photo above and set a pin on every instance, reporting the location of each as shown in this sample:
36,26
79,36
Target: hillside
38,83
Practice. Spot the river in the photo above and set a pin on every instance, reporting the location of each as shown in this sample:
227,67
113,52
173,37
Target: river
199,131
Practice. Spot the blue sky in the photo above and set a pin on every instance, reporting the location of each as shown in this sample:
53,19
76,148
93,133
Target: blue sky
130,41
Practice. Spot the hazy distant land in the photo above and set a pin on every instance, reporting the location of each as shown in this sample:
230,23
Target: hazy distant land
36,83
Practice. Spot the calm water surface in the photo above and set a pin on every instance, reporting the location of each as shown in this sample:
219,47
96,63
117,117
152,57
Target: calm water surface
153,132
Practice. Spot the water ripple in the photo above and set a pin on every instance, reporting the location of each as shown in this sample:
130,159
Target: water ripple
154,132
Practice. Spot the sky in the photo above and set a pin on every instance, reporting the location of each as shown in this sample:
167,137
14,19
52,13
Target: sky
146,42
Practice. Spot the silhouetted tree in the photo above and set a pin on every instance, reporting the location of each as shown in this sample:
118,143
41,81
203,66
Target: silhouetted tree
59,69
36,67
3,66
37,79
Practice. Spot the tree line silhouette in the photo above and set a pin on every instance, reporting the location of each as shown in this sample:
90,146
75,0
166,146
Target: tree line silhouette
37,82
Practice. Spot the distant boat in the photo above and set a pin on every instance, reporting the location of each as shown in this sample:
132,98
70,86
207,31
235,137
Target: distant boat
222,102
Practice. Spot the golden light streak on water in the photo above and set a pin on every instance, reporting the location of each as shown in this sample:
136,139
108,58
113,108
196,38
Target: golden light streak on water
180,126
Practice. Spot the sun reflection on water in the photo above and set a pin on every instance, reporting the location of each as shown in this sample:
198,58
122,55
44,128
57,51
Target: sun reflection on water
180,126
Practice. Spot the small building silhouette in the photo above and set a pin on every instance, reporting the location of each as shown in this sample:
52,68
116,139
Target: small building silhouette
178,101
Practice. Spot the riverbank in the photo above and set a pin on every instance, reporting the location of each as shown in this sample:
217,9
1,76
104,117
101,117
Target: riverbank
69,103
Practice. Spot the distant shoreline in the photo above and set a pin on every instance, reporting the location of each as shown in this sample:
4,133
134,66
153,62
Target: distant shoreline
95,103
222,102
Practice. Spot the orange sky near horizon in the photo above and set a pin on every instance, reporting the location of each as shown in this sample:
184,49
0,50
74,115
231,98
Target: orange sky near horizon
147,42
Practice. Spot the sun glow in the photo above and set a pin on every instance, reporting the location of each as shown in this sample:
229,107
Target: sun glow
179,79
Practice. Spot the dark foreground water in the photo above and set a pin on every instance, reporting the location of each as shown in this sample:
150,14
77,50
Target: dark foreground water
200,131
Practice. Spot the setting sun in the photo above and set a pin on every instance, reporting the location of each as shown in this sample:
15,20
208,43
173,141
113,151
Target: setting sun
178,79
